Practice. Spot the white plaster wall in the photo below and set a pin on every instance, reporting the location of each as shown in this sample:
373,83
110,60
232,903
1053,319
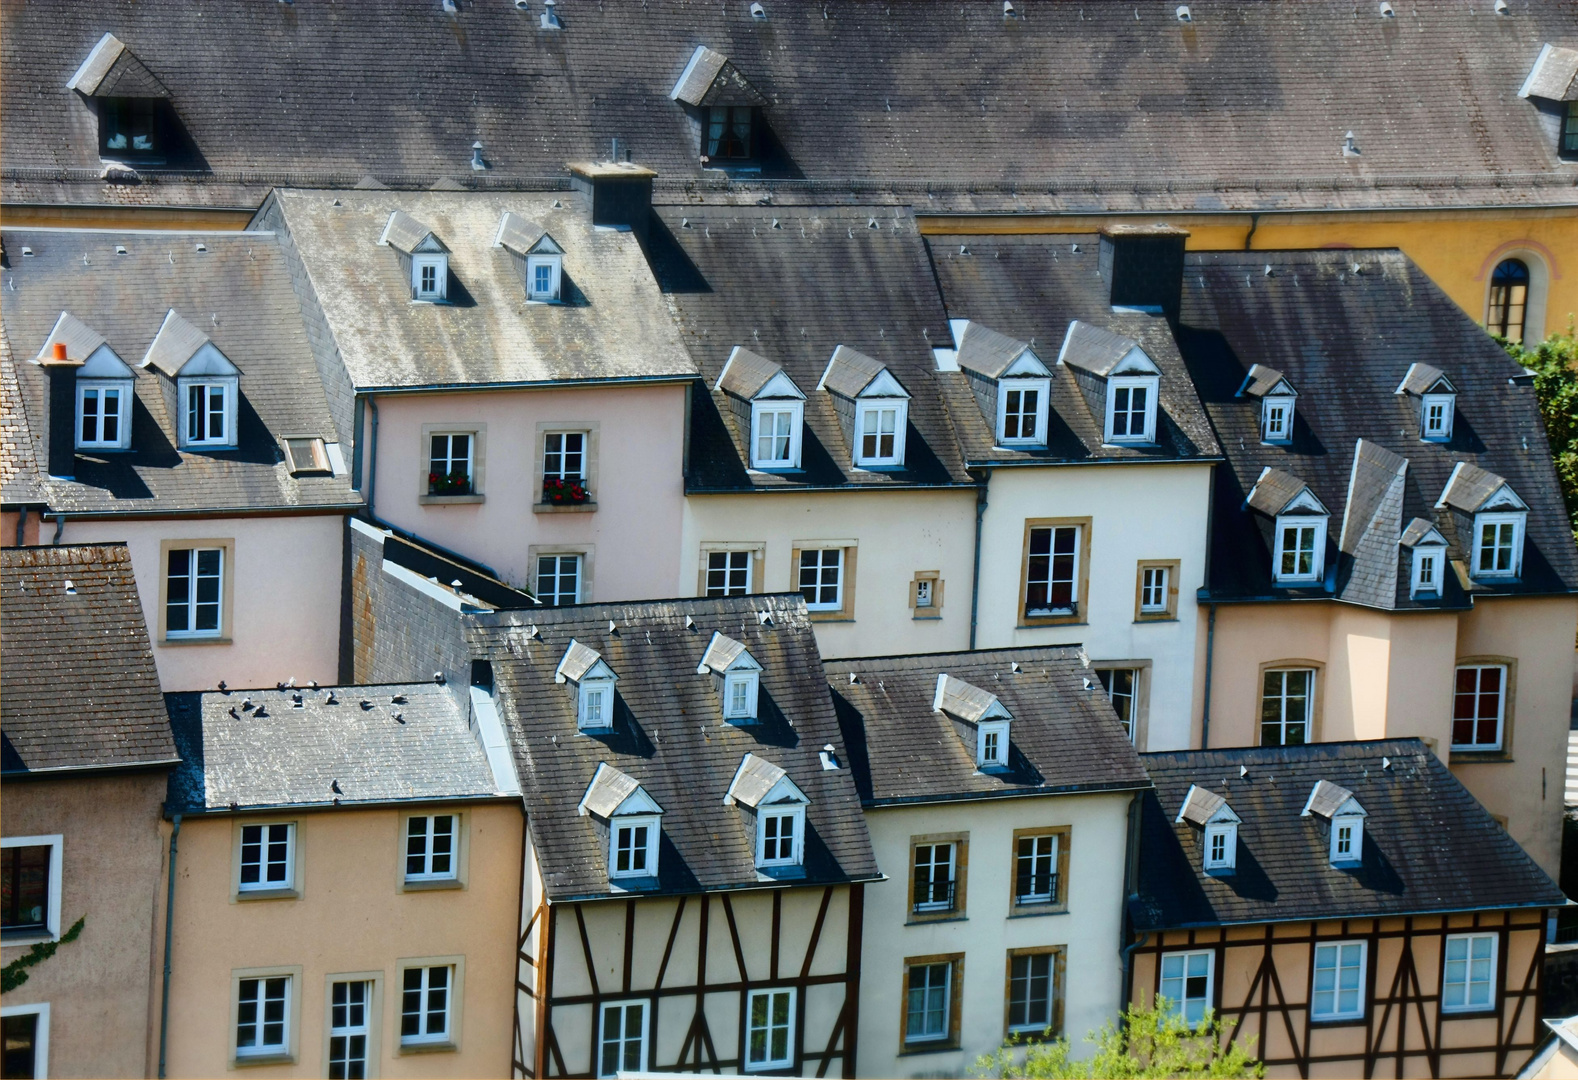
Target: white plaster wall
285,616
897,533
1090,929
1138,513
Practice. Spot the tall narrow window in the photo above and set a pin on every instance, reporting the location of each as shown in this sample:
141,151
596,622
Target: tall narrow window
929,999
822,578
1338,990
769,1028
559,579
425,998
102,410
1509,298
1052,571
1031,992
1153,589
1468,973
267,856
263,1016
934,878
430,848
1186,983
1119,683
1285,701
1276,424
26,1040
1479,702
1035,870
349,1029
728,573
206,414
624,1038
25,905
449,464
194,591
1570,129
729,131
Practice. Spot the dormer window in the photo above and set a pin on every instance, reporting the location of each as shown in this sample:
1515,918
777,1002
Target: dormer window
1276,396
981,717
1337,806
1117,376
723,100
872,406
1010,370
1498,545
1131,410
207,383
208,411
592,680
103,384
423,253
1554,78
1221,847
991,745
133,105
1022,419
1499,517
1436,417
1218,825
634,822
1437,400
769,405
1276,420
729,132
738,675
1427,573
538,254
1347,840
881,425
1299,533
775,806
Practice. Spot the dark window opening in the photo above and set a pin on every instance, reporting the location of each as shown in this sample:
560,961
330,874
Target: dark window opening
1570,129
130,129
729,132
24,888
1509,297
21,1045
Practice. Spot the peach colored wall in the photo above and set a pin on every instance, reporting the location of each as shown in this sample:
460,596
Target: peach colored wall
350,917
8,522
1563,1064
639,481
285,618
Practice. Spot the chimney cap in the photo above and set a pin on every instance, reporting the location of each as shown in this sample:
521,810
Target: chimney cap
610,170
1141,231
57,357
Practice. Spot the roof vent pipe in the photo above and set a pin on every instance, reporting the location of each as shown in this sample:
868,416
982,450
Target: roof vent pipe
1183,13
477,164
550,16
1349,147
1386,11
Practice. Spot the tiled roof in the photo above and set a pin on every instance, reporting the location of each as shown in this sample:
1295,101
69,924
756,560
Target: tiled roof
1428,845
1064,736
1075,107
20,451
229,287
247,749
76,666
669,736
1344,326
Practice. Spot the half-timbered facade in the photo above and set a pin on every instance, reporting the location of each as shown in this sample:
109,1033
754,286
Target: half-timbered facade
1348,909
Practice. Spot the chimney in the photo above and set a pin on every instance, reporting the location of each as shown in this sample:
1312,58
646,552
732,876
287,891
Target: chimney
1143,266
60,412
618,193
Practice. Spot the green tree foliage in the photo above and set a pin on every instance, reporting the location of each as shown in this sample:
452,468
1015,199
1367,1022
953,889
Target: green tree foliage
14,974
1155,1042
1554,362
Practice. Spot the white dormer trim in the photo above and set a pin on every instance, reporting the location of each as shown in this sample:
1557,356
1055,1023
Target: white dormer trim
1023,384
1276,418
777,425
543,276
1486,561
1122,389
1435,416
882,419
1347,839
991,744
1428,572
432,288
1220,853
1299,554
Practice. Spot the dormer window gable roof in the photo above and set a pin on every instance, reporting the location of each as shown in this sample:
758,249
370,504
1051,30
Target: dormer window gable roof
1278,492
724,654
410,237
519,236
1474,490
181,350
1202,807
613,793
1421,533
758,782
752,377
852,374
581,663
1421,379
1328,800
967,702
710,78
1554,75
1104,354
99,360
112,70
1263,382
985,352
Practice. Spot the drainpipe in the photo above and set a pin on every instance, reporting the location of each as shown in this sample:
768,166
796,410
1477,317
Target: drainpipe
169,936
60,527
21,527
1249,237
372,457
1130,871
1210,643
975,584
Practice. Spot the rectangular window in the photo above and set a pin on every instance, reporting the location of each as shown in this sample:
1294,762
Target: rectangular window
559,579
1153,589
1021,415
822,578
928,1002
728,573
769,1024
778,839
1276,422
729,131
1052,571
1496,549
992,750
349,1029
267,856
1129,408
1296,552
1031,992
1285,706
1570,129
633,846
1216,855
263,1016
424,1004
24,908
1338,992
206,414
564,456
101,408
1120,683
193,592
1035,870
1478,706
449,464
881,435
623,1041
430,848
1468,973
934,878
774,447
542,280
1186,983
429,284
25,1031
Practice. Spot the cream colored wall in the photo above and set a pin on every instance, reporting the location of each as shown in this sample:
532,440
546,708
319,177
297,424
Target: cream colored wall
896,532
1137,513
112,862
638,489
1090,928
1563,1064
351,917
285,618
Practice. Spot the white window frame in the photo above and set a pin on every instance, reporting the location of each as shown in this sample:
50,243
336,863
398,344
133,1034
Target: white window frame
594,704
985,733
875,407
770,1060
449,456
1501,705
229,385
580,574
40,1033
1516,520
1339,950
1182,1004
563,453
624,1038
425,990
837,604
191,603
1150,384
733,681
56,843
348,1030
1283,698
1043,391
1428,563
1037,896
796,413
555,270
1443,431
653,823
1354,824
428,855
1033,1027
951,901
1227,832
262,1049
440,290
1153,591
1278,408
1289,522
123,388
947,1004
728,570
1468,1004
266,840
1051,557
795,813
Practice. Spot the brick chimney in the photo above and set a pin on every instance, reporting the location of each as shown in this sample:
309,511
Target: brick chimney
60,412
618,193
1143,266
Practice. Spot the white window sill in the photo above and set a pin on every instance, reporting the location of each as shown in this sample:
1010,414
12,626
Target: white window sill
776,470
268,894
436,1046
271,1057
586,507
429,884
217,639
443,500
199,447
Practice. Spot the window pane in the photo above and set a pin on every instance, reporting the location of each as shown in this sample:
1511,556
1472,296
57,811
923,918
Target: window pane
20,1033
25,887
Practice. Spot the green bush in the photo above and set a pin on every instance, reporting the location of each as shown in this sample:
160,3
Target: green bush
1554,362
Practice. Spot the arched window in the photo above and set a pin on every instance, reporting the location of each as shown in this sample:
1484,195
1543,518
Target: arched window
1509,297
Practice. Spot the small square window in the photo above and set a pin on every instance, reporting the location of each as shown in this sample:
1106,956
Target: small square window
426,996
879,432
268,857
779,839
729,573
775,434
1221,847
729,132
1301,550
1022,412
104,414
822,578
634,847
431,847
209,409
1131,410
1498,545
559,579
1276,424
564,456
